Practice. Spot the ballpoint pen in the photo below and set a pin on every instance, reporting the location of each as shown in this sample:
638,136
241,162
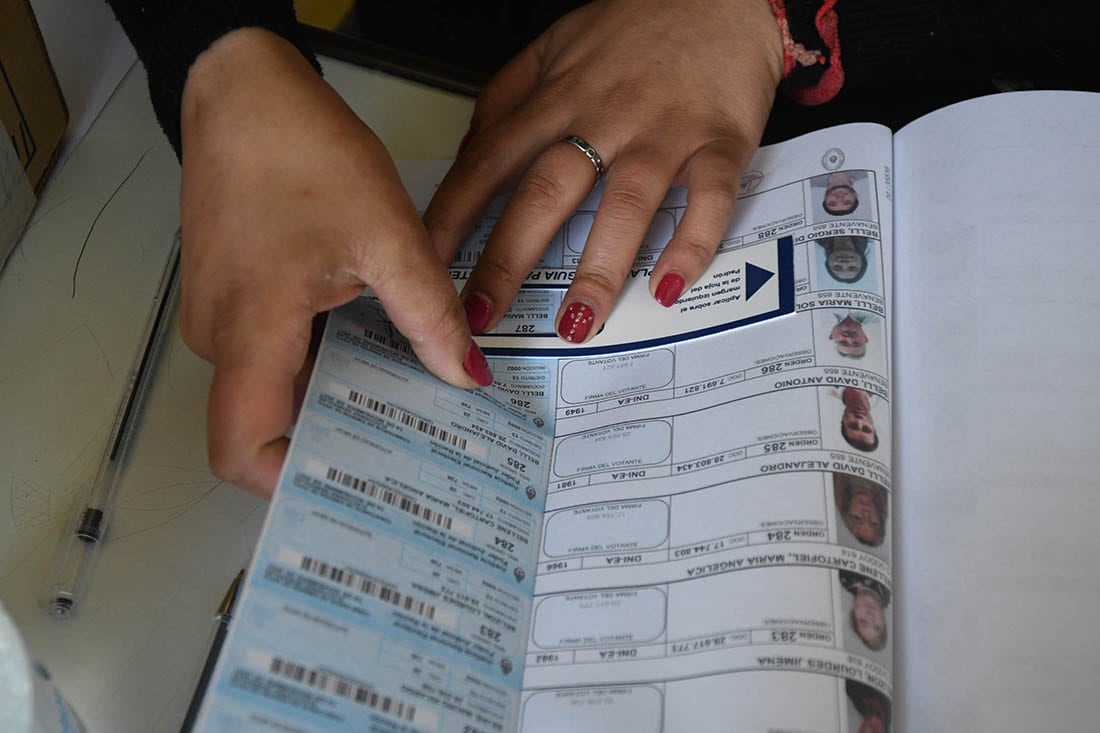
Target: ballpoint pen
76,553
221,628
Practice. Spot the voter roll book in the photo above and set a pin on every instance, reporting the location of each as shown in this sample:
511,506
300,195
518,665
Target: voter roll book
759,509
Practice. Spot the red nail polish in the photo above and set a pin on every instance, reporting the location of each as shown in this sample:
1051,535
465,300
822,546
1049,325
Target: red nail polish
669,289
576,322
477,366
478,311
465,140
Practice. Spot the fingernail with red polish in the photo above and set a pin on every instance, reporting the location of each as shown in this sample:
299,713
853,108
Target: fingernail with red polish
477,366
669,289
576,322
465,140
478,311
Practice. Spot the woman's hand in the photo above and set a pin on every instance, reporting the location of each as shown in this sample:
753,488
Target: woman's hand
290,205
669,92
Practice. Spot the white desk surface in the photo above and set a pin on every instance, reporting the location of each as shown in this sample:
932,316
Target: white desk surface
129,660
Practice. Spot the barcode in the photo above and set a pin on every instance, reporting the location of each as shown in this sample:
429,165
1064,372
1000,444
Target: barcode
467,257
399,345
368,586
397,500
342,687
408,419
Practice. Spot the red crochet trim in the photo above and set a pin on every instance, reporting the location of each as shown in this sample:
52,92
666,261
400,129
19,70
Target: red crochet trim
795,54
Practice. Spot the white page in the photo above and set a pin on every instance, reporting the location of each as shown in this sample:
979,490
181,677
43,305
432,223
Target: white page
996,355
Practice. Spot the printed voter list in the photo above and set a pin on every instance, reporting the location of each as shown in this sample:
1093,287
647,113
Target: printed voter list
681,522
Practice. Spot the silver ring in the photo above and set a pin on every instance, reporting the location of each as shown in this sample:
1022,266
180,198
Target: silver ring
589,152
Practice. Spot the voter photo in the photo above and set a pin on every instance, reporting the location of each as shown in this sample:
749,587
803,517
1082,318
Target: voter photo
865,624
862,508
842,195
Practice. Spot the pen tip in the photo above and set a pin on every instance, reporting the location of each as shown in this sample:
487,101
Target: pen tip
230,598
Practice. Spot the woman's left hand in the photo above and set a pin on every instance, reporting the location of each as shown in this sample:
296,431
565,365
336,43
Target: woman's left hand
669,92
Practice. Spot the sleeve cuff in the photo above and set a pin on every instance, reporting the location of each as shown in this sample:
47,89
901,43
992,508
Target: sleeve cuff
812,70
170,34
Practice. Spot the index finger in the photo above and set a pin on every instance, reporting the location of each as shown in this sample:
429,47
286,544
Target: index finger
420,298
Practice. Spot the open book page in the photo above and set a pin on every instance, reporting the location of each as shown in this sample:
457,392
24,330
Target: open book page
997,357
682,522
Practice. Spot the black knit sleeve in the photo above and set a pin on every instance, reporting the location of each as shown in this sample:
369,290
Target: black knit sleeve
170,34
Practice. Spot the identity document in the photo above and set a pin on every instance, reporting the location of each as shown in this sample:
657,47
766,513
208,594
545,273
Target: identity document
792,502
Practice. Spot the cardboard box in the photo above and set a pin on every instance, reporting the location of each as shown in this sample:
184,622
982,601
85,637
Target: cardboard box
32,114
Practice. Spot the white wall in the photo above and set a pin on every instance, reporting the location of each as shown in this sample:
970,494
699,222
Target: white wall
90,54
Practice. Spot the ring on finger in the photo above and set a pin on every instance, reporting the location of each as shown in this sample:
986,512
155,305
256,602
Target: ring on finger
589,152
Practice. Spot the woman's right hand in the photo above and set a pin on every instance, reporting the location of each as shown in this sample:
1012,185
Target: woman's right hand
670,92
290,205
